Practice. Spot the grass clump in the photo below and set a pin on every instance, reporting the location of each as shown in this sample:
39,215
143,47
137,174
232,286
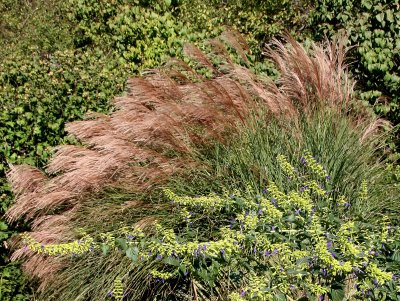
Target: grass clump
295,172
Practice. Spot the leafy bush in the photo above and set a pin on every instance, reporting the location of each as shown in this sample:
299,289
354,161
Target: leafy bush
373,28
13,283
143,33
34,26
39,95
259,21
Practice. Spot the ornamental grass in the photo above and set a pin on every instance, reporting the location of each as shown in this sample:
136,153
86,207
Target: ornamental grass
228,186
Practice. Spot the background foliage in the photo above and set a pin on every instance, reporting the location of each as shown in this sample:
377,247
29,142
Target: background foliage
34,26
373,29
259,20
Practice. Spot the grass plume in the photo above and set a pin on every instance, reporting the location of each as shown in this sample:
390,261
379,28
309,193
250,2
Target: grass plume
180,130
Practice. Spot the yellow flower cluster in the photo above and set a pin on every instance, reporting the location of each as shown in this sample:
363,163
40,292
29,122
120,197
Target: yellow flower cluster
313,185
314,166
185,214
285,166
171,247
251,222
302,201
385,230
344,237
162,275
254,289
72,248
275,192
376,273
328,260
134,231
118,291
205,202
234,296
269,211
317,289
363,191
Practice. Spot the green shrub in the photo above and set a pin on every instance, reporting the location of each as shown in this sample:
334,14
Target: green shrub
373,28
143,33
13,285
39,95
259,21
34,26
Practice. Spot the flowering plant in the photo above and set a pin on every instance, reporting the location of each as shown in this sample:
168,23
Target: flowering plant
278,244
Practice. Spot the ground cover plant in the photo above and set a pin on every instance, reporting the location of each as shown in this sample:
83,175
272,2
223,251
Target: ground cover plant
102,219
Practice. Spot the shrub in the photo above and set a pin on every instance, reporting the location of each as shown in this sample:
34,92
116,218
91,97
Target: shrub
143,33
13,283
373,29
41,94
259,21
176,129
34,26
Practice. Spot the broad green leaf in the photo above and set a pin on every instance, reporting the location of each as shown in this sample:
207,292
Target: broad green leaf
132,253
121,243
389,15
105,248
279,297
337,294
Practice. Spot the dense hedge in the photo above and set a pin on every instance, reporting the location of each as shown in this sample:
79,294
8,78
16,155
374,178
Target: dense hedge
40,25
259,20
40,95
